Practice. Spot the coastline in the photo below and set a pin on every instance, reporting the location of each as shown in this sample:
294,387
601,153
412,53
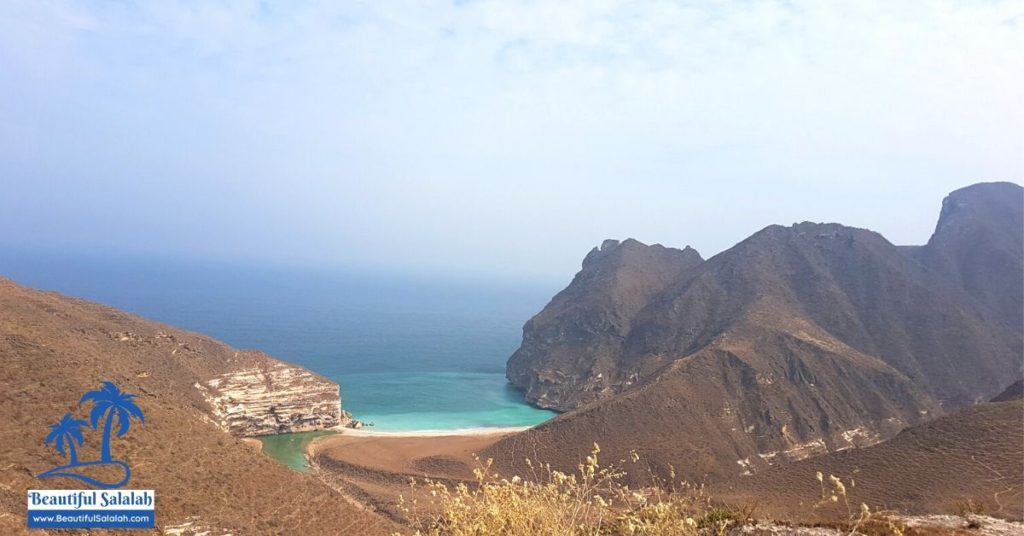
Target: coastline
399,447
482,431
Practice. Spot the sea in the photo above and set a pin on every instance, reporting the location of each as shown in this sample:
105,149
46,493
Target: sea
411,352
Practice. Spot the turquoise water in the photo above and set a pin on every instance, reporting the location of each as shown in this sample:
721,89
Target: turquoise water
410,352
437,400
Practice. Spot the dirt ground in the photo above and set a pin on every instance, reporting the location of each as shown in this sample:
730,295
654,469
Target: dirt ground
376,468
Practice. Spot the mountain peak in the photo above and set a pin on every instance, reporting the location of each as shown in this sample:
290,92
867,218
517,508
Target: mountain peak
617,279
979,243
633,250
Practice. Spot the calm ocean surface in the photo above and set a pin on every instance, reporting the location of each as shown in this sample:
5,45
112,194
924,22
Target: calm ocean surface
410,353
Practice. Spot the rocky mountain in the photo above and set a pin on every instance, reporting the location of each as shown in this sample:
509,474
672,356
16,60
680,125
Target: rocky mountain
571,350
978,243
797,341
198,396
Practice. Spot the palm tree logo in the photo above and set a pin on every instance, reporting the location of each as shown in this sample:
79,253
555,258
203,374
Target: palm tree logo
67,433
116,405
110,406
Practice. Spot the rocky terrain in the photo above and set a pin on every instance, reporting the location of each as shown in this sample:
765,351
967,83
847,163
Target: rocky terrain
571,350
977,244
970,461
797,341
54,349
961,473
273,398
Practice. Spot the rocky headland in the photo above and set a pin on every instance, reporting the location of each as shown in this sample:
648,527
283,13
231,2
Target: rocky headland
273,398
199,397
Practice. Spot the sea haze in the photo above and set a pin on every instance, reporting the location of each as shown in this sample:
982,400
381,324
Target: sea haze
410,352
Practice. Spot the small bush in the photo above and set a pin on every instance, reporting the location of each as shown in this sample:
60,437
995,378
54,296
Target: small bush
717,517
968,507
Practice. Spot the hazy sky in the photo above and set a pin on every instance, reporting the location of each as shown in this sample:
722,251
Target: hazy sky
498,137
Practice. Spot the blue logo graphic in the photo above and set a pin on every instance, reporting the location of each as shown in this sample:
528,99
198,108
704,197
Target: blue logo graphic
110,406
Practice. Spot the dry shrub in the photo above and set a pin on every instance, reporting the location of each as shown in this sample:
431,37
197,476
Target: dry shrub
969,507
858,521
592,501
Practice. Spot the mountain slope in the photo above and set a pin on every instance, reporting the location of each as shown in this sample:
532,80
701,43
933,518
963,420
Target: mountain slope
774,389
973,454
1014,392
853,284
55,348
796,341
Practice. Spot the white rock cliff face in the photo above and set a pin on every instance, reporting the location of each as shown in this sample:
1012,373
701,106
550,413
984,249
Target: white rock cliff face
273,399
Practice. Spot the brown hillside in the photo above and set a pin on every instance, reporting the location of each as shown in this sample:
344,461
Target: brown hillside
772,390
55,348
974,454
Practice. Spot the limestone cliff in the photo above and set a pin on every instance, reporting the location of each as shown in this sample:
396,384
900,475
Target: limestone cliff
273,398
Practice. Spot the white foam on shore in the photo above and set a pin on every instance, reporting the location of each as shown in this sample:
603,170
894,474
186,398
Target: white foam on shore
429,433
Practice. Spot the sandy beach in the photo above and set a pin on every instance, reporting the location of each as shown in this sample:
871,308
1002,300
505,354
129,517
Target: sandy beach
435,453
371,432
375,467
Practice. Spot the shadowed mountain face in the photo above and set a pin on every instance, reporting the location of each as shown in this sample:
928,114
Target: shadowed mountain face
979,243
53,349
1013,392
571,351
796,341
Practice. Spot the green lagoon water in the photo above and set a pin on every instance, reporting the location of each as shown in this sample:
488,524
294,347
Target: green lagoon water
290,449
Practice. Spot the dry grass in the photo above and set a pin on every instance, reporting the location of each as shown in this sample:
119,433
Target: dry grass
594,501
591,501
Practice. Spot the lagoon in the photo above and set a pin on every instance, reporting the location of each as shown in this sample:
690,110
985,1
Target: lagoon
290,449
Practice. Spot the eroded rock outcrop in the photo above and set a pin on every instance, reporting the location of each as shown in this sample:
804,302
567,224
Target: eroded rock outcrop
273,398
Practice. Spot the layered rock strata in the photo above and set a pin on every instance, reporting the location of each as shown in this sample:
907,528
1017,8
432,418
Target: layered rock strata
273,398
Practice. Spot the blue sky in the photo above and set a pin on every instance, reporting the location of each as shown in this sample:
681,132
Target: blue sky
492,137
